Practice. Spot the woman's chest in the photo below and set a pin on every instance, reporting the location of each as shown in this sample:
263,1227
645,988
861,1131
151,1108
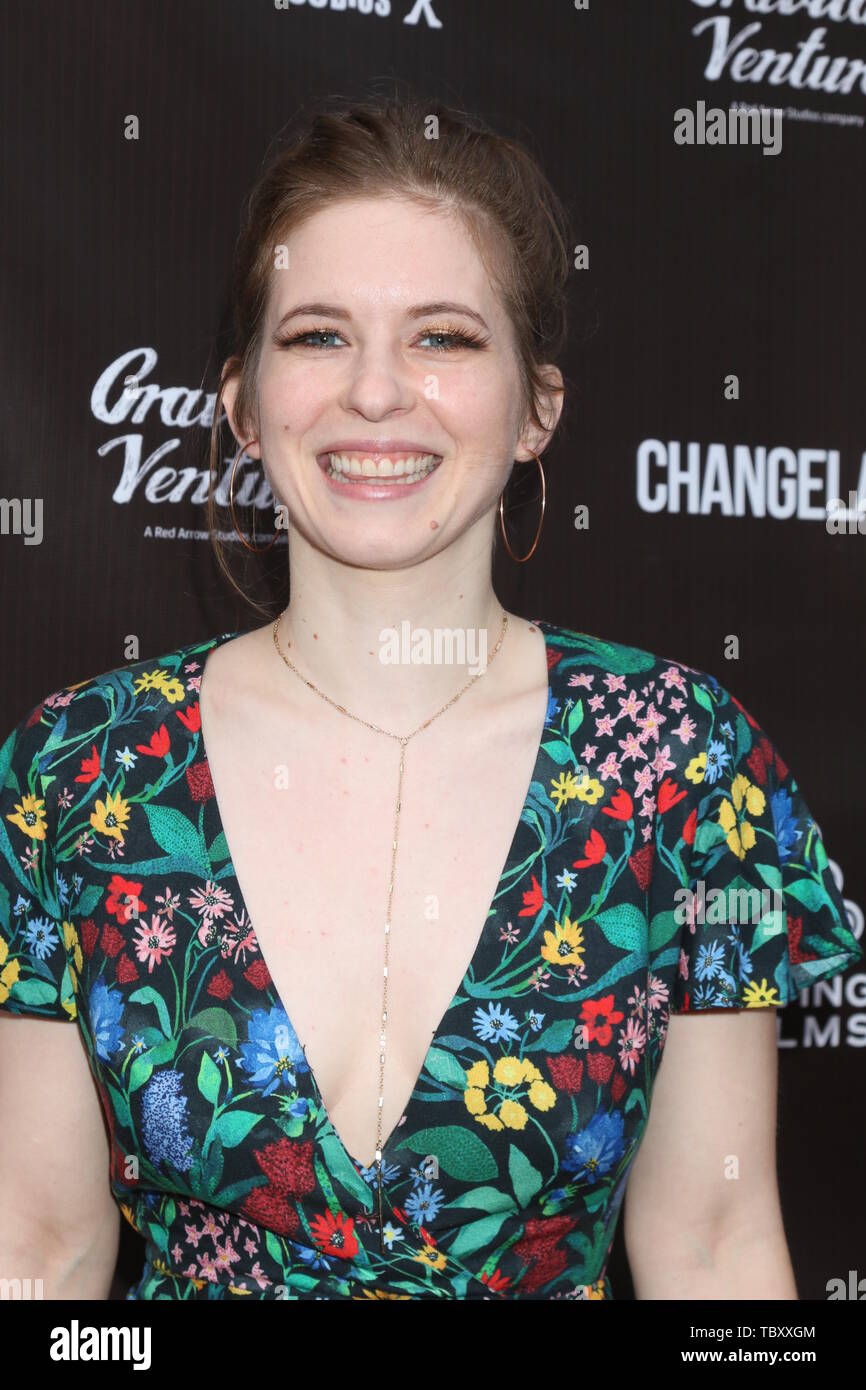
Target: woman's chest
341,885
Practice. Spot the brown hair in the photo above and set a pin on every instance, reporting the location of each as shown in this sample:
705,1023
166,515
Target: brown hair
382,147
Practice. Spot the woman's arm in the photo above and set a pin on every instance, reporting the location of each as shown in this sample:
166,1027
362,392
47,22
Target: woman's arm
702,1214
60,1222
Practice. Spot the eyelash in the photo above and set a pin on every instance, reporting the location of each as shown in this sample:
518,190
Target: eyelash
460,336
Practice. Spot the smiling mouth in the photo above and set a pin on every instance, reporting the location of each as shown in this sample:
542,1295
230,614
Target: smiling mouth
395,470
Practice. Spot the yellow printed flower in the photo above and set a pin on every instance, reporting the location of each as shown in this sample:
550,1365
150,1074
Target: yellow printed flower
513,1115
758,996
564,945
696,768
542,1096
740,833
490,1121
478,1074
475,1100
429,1255
111,816
29,816
596,1290
590,790
173,689
73,951
563,788
8,972
508,1071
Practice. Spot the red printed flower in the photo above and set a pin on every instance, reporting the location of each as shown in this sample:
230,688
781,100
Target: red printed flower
126,970
641,865
538,1249
795,933
335,1233
533,900
690,827
89,936
621,805
190,717
199,781
760,760
90,767
497,1282
220,986
668,795
598,1015
594,850
158,745
566,1073
599,1065
113,941
258,974
122,899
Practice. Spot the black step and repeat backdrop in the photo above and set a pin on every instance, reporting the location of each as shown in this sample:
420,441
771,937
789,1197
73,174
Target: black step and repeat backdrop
712,158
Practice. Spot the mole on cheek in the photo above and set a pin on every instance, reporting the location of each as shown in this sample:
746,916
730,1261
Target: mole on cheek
434,525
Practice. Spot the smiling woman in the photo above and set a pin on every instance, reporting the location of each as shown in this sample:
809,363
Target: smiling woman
373,964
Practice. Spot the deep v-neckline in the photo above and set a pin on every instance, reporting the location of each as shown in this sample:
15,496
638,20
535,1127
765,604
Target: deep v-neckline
241,911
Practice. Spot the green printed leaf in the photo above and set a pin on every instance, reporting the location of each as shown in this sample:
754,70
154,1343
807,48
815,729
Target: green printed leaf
476,1235
233,1126
33,992
89,898
459,1151
343,1171
624,926
559,751
701,696
209,1078
446,1068
771,874
663,927
148,995
555,1038
809,893
217,1023
525,1179
489,1199
575,718
175,833
219,848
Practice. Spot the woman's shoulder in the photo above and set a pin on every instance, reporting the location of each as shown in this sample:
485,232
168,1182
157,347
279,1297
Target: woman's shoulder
68,732
615,672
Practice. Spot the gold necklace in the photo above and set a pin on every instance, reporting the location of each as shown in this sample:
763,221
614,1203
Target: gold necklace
402,740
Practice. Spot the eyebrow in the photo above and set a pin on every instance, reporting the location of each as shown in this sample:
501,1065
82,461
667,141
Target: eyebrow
416,311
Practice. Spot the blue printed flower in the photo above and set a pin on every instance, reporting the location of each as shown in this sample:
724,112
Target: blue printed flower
423,1204
272,1056
594,1150
491,1025
552,707
710,961
106,1011
718,758
41,937
164,1121
784,824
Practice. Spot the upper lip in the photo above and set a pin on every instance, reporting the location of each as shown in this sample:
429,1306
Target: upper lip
375,448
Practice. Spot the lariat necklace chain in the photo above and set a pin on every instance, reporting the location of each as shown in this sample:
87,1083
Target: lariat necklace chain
402,739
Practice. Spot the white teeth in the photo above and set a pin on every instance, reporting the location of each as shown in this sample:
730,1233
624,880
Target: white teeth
408,470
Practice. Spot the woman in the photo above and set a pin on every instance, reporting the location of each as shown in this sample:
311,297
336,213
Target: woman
206,874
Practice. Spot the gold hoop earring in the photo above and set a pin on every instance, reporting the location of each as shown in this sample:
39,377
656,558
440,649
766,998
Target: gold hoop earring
521,559
256,549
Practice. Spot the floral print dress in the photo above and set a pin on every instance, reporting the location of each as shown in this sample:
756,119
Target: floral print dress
664,861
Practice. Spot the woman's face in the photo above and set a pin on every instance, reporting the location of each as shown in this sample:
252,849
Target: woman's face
363,380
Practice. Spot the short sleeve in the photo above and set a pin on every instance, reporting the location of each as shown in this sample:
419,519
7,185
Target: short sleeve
38,949
762,917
